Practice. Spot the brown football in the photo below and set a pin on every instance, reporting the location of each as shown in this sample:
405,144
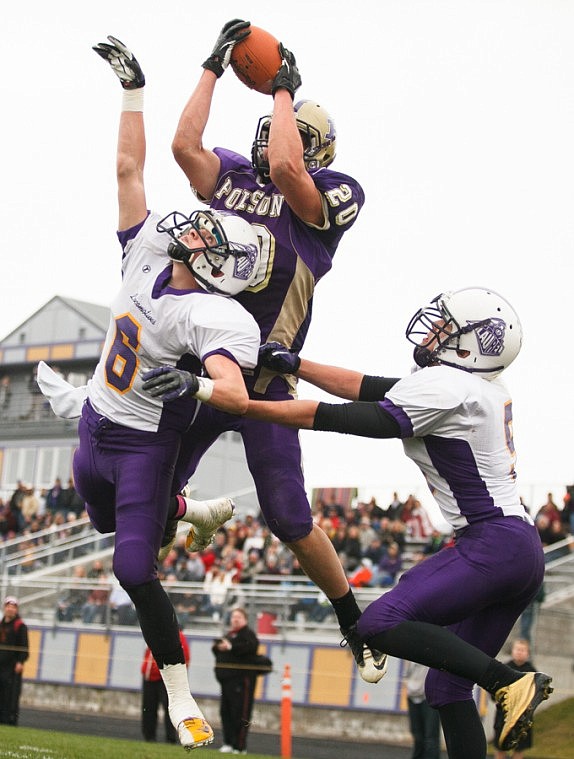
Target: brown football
256,60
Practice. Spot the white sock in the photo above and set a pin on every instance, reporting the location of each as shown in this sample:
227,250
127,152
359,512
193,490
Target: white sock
196,511
181,703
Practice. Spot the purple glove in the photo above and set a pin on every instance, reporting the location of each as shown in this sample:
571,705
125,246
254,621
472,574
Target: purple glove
278,358
168,383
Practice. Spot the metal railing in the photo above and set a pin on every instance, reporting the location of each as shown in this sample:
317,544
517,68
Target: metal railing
292,602
52,549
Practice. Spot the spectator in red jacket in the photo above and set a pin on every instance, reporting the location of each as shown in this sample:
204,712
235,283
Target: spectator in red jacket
363,575
154,694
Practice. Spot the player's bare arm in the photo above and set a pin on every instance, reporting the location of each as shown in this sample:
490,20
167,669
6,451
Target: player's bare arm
132,207
355,418
299,414
285,152
224,388
344,383
229,391
201,166
131,137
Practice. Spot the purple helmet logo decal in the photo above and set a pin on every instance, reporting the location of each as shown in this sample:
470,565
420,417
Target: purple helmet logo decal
490,336
245,258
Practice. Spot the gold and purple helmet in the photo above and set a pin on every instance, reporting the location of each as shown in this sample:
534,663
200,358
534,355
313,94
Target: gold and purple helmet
318,133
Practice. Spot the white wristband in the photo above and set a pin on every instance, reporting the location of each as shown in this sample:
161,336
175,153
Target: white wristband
205,389
133,100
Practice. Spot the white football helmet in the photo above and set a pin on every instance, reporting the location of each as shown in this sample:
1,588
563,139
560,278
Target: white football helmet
226,267
317,130
474,329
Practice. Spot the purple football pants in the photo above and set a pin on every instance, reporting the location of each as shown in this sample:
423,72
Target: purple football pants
125,476
478,589
274,459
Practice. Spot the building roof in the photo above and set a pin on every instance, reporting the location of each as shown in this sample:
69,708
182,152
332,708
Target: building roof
62,329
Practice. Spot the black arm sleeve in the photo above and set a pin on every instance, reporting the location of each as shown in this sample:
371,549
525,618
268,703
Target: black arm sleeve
375,388
356,418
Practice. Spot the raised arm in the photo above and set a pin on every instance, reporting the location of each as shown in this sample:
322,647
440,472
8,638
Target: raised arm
132,208
285,151
201,166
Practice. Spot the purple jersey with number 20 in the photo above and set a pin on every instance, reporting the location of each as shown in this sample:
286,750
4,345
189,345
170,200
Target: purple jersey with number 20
295,255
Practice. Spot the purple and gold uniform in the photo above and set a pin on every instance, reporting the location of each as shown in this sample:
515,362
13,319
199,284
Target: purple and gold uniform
295,256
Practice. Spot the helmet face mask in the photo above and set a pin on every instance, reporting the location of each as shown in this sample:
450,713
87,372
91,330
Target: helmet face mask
474,329
258,149
229,258
318,135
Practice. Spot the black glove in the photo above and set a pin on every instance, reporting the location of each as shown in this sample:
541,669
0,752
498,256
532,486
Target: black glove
168,383
234,31
278,358
288,76
123,63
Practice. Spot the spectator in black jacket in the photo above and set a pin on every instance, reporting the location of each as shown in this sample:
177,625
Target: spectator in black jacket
234,669
13,654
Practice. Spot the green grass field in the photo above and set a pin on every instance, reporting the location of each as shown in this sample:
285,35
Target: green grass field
553,739
27,743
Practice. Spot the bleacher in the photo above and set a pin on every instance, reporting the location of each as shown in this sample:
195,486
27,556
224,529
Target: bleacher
42,575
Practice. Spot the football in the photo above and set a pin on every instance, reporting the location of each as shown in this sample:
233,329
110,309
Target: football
256,60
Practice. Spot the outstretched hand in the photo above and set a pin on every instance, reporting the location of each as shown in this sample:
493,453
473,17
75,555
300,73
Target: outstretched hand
278,358
168,383
233,32
288,76
123,63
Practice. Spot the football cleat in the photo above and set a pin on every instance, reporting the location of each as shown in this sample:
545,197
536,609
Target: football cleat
194,732
372,664
518,702
206,518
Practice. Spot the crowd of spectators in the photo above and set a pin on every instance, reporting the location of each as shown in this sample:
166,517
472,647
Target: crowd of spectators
29,510
372,543
375,545
554,524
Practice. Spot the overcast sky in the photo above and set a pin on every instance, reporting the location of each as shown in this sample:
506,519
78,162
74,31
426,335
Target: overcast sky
456,117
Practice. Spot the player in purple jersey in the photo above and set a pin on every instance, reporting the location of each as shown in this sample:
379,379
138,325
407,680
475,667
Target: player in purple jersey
453,611
301,209
167,309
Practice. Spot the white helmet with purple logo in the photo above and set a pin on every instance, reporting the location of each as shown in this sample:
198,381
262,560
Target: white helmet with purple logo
474,329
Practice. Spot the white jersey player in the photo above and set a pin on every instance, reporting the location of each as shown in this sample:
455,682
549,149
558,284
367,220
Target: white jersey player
453,423
453,611
169,322
154,324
